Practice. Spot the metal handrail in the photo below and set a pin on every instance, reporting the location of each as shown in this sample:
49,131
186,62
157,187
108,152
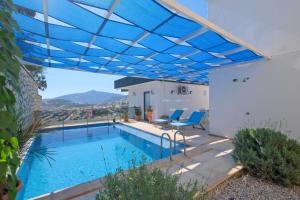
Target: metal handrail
161,143
110,117
63,130
63,124
87,124
184,147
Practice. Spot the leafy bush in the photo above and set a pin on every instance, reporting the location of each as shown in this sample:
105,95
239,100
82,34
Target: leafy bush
9,82
137,111
149,109
144,184
268,154
125,116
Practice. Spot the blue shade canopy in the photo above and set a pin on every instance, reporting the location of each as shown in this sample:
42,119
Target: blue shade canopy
141,38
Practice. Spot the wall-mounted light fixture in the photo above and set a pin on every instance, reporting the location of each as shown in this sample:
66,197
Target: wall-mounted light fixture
172,91
246,79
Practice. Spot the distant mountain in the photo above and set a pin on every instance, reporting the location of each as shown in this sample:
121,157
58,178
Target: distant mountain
91,97
57,102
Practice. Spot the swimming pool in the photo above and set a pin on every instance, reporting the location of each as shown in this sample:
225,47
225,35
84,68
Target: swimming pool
85,153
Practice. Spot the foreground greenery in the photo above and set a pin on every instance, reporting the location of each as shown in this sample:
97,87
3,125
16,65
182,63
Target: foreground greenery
9,74
140,183
268,154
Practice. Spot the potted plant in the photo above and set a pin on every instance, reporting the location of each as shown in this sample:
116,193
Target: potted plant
125,116
4,190
150,114
138,113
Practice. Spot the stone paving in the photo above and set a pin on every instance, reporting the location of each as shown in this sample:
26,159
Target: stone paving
208,159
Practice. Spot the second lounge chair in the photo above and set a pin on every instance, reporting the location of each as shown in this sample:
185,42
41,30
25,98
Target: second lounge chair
194,120
174,117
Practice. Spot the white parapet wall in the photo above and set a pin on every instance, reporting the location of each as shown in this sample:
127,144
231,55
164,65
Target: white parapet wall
270,90
271,94
269,25
165,100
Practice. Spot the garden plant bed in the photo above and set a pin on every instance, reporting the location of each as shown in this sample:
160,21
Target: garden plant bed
249,187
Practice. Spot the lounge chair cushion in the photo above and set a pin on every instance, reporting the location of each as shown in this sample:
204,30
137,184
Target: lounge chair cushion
163,120
194,119
182,124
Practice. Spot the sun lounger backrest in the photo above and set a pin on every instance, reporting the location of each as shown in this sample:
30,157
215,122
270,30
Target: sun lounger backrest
176,115
196,117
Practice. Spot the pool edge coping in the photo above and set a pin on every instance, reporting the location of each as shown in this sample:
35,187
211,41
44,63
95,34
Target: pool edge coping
96,184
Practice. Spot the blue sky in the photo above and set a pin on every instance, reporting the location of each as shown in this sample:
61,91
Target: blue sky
197,6
61,82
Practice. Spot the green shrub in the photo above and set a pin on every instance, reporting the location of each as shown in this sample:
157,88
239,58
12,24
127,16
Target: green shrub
268,154
137,111
9,83
164,116
140,183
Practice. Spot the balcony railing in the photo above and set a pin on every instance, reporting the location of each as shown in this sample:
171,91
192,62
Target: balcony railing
65,117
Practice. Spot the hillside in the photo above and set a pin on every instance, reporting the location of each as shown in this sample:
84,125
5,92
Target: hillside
90,97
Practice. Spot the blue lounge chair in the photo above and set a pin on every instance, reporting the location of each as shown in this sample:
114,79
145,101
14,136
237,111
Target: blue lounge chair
194,120
174,117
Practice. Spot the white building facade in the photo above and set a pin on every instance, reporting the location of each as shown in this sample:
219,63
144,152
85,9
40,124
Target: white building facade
165,98
264,91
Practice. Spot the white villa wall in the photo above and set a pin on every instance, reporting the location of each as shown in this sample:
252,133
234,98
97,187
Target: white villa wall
272,91
270,25
163,102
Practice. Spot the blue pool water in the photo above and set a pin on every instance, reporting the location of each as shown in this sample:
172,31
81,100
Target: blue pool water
81,154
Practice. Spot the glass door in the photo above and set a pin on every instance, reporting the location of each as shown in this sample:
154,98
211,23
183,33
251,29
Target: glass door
146,104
